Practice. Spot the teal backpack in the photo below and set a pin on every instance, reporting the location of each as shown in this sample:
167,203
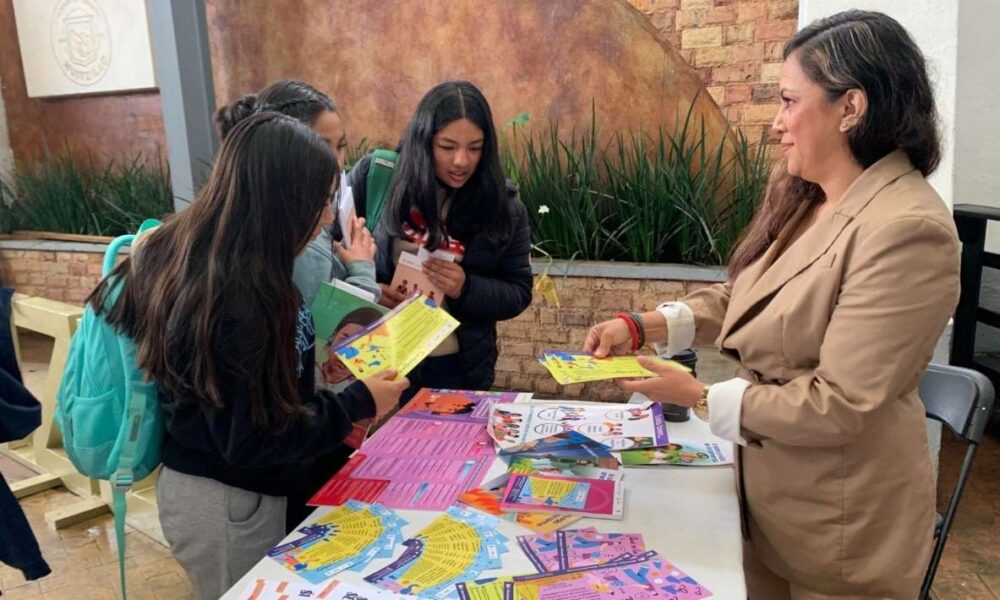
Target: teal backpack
377,185
109,415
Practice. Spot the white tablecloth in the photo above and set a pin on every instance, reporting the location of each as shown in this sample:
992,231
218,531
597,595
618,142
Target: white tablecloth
690,515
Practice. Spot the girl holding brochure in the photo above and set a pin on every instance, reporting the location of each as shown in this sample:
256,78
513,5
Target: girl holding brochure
449,197
324,259
219,326
835,300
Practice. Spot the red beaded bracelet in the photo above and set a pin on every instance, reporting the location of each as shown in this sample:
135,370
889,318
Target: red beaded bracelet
633,328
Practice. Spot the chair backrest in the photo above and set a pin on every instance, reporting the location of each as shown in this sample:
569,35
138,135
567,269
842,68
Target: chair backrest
960,398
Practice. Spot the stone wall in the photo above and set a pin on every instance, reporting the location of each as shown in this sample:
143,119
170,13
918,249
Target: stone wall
54,271
736,47
584,301
587,295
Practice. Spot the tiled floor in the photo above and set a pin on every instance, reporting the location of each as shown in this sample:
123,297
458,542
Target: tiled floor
85,564
84,559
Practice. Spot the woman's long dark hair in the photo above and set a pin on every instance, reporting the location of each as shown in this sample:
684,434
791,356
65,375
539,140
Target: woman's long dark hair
862,50
480,207
291,97
229,257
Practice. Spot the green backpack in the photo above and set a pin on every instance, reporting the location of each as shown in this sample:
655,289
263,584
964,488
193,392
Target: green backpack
108,413
380,172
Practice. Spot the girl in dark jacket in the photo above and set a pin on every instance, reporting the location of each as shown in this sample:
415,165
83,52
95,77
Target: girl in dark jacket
221,329
449,193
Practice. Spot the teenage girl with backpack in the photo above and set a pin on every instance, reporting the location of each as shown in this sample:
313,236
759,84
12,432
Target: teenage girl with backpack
449,192
219,327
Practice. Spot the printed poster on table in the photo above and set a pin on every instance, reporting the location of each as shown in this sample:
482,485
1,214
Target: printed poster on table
617,426
424,457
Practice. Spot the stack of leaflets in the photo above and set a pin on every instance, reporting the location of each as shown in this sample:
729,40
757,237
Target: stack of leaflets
602,497
456,546
645,576
432,450
581,367
572,548
570,454
585,564
488,501
269,589
348,537
488,588
563,455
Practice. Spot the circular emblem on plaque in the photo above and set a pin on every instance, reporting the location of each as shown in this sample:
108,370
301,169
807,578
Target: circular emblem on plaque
81,40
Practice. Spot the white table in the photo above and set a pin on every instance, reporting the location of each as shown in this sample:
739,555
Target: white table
689,515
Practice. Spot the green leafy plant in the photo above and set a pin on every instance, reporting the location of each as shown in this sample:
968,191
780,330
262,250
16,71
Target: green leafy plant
67,194
666,197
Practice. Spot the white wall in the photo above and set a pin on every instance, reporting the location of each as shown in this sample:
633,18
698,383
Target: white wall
977,115
6,155
959,40
934,26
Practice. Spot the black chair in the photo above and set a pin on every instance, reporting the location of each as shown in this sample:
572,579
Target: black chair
961,399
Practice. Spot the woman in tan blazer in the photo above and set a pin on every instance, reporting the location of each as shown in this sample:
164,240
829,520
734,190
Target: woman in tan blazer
835,299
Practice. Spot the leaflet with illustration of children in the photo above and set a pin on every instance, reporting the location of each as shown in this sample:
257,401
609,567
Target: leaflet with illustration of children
339,311
399,340
681,453
617,426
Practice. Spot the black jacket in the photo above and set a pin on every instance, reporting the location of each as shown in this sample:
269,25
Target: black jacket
497,287
20,414
223,444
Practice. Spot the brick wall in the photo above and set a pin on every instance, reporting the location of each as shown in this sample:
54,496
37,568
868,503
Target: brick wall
584,301
70,276
736,47
55,275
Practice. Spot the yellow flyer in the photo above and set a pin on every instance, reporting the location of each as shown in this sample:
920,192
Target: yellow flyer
455,547
493,588
581,367
399,340
349,536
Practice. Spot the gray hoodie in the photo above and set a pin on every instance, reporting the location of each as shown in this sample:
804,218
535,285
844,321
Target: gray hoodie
318,263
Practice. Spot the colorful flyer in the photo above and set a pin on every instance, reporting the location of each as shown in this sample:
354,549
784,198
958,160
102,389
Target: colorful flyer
589,547
644,577
434,449
692,454
520,425
581,367
434,485
488,501
558,465
456,546
541,493
543,549
409,278
339,311
399,340
348,536
471,406
267,589
491,588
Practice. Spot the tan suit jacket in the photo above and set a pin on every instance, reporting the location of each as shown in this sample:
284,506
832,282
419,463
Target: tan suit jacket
835,332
